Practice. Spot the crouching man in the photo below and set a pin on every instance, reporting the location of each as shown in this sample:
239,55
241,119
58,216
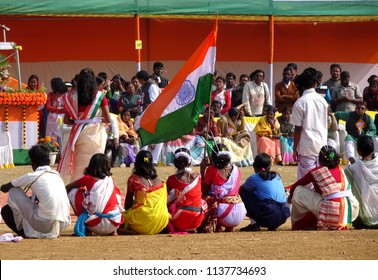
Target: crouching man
47,211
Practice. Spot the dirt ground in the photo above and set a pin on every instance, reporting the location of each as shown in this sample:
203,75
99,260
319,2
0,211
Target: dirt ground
265,245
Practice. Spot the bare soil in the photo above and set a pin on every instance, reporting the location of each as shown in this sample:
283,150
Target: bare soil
283,244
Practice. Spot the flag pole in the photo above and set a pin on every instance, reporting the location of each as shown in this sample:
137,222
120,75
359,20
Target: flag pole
138,42
271,56
208,119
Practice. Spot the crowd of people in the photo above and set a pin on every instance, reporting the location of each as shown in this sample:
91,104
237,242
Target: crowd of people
100,115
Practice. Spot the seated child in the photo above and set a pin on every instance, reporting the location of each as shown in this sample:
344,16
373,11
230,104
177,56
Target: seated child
331,204
184,188
96,199
264,196
363,176
146,199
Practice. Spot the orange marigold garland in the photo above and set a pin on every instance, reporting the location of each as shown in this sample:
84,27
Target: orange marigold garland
22,98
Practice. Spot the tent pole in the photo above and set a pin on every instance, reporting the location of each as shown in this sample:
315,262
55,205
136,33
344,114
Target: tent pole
271,54
138,43
18,69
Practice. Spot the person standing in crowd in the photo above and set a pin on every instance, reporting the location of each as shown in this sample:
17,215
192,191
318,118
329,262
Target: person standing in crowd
33,83
96,199
84,110
264,197
237,92
331,204
346,95
34,86
322,89
158,70
286,92
256,94
55,108
47,212
310,119
358,123
334,81
363,176
149,90
294,70
222,95
116,89
220,189
146,199
230,81
184,201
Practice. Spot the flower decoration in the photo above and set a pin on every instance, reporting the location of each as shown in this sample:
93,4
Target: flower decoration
50,143
22,98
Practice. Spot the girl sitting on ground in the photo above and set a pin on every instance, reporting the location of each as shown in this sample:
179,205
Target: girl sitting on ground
220,190
264,196
146,199
184,188
96,199
331,204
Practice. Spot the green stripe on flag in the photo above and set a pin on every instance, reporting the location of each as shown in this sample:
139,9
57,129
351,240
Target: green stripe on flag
182,121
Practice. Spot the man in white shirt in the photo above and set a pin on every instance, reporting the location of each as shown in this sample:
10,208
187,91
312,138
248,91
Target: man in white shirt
310,119
47,212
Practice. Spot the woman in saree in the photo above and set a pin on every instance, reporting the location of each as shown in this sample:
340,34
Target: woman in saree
232,133
220,189
268,136
96,199
86,110
331,204
146,199
184,201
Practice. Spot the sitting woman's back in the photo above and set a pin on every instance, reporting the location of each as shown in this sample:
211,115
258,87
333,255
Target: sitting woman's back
146,199
185,203
264,197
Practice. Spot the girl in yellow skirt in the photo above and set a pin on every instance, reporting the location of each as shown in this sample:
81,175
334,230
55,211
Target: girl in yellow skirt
146,199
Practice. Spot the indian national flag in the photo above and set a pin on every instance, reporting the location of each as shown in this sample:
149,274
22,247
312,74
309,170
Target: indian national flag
176,110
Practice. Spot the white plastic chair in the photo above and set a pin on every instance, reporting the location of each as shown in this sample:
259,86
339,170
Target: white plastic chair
6,152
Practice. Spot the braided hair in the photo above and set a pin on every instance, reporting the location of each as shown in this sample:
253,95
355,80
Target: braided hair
329,157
